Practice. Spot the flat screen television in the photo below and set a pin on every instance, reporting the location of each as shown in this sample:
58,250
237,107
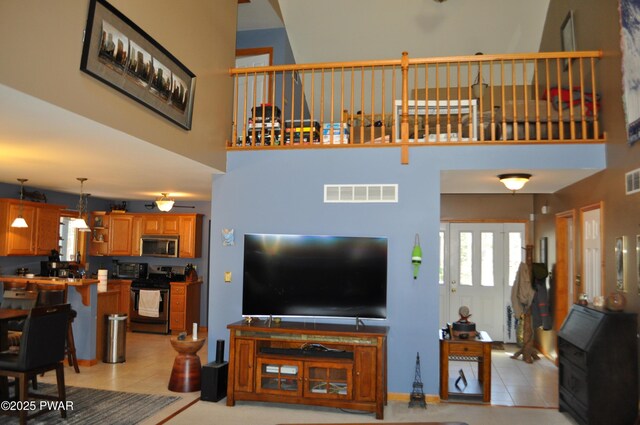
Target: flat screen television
319,276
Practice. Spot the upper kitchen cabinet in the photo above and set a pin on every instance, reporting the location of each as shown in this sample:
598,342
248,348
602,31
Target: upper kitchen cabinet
41,235
120,240
160,224
118,234
190,243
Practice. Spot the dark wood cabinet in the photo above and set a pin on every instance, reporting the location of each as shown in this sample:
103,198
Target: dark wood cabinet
346,369
598,366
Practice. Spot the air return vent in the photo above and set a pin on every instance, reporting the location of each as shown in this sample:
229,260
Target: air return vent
633,181
360,193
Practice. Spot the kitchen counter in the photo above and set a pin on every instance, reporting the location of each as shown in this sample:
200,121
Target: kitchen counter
84,300
81,285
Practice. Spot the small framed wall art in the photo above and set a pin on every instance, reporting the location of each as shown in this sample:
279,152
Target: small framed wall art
120,54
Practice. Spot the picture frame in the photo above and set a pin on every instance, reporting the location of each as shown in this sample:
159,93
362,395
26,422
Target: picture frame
629,32
120,54
620,262
568,37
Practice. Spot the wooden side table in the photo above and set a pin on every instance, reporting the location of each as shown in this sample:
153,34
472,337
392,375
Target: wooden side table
476,350
185,375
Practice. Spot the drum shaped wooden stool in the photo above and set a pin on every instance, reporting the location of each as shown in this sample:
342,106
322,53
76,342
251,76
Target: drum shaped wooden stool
185,375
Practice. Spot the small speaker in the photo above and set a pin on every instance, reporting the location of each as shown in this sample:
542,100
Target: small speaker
214,381
220,351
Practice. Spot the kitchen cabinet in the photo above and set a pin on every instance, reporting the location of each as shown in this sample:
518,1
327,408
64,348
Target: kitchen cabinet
190,232
118,234
120,228
157,224
276,364
136,232
98,244
41,235
184,308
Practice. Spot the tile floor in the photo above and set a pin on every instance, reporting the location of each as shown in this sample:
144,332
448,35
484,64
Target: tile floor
514,382
149,359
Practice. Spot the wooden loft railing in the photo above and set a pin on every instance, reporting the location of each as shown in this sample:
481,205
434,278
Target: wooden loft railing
479,99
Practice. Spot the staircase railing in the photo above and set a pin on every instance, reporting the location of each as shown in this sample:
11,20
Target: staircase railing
480,99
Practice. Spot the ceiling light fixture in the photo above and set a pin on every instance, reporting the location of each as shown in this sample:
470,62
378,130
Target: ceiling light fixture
19,220
514,181
79,223
164,203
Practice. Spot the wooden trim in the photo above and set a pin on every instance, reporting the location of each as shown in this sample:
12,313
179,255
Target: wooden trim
87,363
562,278
586,208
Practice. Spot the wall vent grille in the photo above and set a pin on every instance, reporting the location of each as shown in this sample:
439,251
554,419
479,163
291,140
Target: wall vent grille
633,181
360,193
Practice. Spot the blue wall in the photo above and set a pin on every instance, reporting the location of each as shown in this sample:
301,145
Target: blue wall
282,192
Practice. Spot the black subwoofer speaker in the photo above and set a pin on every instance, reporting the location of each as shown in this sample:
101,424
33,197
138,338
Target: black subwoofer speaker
214,381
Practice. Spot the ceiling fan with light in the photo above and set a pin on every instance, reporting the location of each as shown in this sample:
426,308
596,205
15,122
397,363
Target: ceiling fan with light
165,204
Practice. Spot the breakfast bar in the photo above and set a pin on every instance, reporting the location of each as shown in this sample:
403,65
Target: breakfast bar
82,294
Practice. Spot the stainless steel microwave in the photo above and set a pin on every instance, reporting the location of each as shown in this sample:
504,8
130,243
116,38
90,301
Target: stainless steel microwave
159,246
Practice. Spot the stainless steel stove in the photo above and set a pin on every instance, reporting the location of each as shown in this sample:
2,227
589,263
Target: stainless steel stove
156,286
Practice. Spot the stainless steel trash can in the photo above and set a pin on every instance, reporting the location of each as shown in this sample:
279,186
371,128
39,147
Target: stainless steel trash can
116,338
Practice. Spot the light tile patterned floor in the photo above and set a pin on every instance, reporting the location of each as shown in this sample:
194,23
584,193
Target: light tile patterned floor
149,359
514,382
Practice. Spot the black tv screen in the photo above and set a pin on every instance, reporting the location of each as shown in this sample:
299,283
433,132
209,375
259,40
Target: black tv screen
321,276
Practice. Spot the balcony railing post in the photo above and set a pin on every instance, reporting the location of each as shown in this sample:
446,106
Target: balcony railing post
404,118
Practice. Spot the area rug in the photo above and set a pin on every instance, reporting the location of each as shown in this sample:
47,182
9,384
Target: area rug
91,406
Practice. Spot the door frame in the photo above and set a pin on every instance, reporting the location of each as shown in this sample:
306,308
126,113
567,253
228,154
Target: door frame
583,210
562,276
258,51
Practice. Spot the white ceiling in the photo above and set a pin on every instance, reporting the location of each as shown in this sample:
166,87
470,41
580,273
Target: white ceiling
51,146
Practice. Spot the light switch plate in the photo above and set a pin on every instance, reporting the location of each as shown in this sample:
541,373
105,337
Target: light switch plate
227,277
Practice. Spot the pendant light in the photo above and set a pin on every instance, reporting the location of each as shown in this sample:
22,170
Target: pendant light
79,222
19,220
514,181
164,203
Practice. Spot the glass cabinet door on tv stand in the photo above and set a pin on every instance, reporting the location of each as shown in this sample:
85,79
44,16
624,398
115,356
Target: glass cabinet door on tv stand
328,379
279,376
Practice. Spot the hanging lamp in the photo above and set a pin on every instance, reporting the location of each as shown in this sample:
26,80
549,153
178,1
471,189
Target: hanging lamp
164,203
19,221
79,223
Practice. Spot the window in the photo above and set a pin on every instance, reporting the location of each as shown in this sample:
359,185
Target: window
72,242
466,258
486,259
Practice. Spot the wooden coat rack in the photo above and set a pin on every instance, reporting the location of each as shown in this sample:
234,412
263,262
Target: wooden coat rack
528,352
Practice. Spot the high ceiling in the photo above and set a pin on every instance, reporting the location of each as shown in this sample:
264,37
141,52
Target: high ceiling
51,146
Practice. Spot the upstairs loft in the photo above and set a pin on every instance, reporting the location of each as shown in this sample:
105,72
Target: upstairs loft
465,100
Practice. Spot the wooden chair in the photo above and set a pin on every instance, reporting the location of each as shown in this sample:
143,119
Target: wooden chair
54,295
42,348
20,300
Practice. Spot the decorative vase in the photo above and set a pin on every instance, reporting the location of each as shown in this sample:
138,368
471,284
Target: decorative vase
616,301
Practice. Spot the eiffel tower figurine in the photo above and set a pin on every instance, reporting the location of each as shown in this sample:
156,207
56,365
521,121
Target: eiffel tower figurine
417,395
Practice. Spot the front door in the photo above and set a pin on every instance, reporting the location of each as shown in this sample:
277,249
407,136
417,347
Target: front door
483,259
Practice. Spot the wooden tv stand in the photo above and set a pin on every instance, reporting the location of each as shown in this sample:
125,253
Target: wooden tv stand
278,364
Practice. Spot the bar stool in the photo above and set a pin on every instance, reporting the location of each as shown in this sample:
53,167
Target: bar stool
54,295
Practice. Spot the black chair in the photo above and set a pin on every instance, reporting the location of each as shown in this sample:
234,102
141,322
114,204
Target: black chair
19,300
54,295
42,348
